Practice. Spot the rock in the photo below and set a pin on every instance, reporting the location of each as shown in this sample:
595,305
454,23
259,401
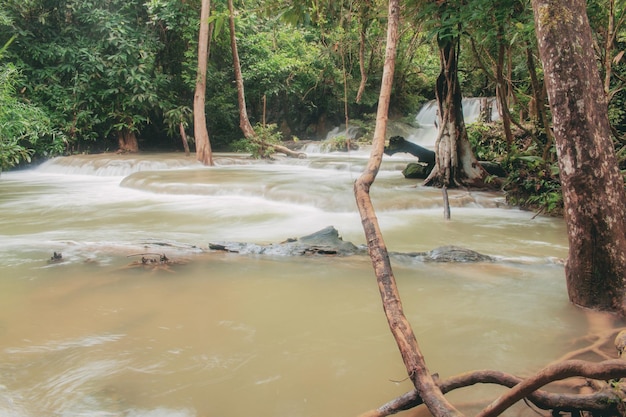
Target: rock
328,242
450,254
323,242
416,170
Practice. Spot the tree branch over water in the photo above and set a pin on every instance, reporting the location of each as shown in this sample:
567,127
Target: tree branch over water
428,390
399,325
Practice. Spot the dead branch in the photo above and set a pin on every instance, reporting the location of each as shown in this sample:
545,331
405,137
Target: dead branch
610,369
598,401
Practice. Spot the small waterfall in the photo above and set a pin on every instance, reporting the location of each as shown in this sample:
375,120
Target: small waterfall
426,133
114,165
353,132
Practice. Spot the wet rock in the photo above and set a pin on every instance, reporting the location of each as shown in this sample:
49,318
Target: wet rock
450,254
323,242
328,242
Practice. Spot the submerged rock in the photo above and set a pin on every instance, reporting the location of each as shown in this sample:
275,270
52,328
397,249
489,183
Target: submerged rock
328,242
450,254
323,242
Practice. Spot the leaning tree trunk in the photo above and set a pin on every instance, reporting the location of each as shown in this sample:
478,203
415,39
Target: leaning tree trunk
244,121
455,163
593,188
398,323
203,144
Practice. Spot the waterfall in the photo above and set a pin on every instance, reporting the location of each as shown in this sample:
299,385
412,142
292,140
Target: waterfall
426,133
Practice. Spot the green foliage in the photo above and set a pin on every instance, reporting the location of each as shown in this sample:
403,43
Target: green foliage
258,147
487,141
175,116
338,143
90,64
22,125
533,183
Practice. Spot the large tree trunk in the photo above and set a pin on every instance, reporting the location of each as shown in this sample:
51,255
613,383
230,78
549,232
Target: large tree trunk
593,189
398,323
127,141
203,144
456,164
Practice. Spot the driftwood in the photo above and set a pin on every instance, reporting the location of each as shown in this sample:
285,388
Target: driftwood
598,383
426,159
155,262
605,401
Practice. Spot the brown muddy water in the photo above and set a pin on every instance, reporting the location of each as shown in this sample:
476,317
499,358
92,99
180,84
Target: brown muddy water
229,335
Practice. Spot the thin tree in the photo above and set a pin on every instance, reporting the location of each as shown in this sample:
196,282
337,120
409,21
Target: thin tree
398,323
201,133
428,390
593,188
244,120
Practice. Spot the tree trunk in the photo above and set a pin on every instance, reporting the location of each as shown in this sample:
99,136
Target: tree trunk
539,114
398,323
364,20
608,48
244,121
183,137
593,188
455,164
203,144
127,141
502,90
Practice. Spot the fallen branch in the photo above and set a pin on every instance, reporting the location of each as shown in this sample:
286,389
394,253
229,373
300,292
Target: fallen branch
610,369
597,402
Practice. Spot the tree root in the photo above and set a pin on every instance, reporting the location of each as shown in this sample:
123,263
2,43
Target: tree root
600,401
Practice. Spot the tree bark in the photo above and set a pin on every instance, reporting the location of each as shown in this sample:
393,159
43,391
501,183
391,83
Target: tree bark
593,188
244,121
502,90
364,20
183,137
127,141
398,323
455,164
539,114
204,153
601,401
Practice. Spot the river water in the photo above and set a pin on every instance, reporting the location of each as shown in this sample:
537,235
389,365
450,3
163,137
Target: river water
227,335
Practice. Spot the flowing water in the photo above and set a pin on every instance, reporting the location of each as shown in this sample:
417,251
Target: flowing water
227,335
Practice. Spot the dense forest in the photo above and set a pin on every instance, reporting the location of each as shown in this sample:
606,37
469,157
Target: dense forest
81,76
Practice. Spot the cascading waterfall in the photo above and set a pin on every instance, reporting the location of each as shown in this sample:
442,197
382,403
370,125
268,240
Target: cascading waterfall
425,131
